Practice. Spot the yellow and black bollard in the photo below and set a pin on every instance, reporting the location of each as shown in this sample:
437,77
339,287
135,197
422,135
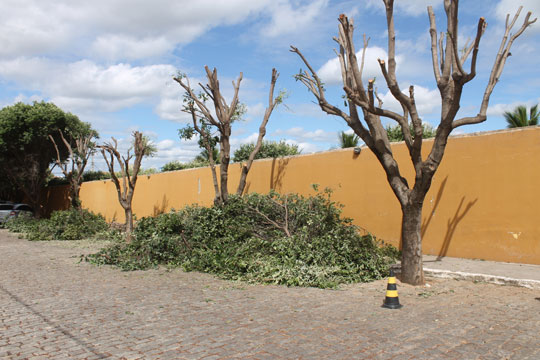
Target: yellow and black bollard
392,300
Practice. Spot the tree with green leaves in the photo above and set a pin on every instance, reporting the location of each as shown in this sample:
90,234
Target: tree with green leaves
395,133
141,147
518,117
348,140
216,126
26,152
363,113
269,149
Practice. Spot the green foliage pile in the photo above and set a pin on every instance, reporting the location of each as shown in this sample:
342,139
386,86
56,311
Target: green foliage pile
62,225
280,239
269,149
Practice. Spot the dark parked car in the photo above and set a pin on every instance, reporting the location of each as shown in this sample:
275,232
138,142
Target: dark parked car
10,210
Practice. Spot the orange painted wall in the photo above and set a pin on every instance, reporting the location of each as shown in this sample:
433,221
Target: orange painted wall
484,202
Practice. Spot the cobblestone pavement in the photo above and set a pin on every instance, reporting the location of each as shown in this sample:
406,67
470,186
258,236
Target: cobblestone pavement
52,307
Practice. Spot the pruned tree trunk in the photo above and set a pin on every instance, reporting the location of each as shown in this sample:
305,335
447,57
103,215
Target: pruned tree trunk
411,262
450,75
129,220
217,195
225,152
224,116
79,156
125,190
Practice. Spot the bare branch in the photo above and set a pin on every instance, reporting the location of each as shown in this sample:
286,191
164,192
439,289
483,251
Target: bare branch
272,103
500,60
479,32
433,34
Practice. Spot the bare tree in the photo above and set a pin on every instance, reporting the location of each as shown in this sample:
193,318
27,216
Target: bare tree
78,157
450,75
141,147
203,120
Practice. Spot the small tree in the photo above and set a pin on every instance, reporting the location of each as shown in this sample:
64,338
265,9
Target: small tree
348,140
450,75
78,156
204,121
269,149
141,147
518,117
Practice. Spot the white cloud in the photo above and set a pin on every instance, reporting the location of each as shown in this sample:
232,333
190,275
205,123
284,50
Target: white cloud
111,47
170,108
236,142
299,133
427,101
84,85
165,144
304,147
115,30
500,109
255,111
30,28
287,20
409,7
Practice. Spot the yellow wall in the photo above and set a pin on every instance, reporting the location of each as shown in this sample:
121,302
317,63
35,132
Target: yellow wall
484,202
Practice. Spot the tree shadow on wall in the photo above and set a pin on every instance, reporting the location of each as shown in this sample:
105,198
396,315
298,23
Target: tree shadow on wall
452,223
160,208
277,173
426,223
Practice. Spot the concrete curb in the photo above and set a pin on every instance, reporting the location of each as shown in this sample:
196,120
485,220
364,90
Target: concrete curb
501,280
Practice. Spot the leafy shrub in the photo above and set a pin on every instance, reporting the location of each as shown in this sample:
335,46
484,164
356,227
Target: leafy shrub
396,134
177,165
96,175
63,225
282,239
269,149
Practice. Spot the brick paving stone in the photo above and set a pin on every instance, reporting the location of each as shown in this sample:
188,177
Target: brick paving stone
53,307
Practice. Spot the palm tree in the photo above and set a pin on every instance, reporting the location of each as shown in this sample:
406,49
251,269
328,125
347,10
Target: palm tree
204,156
518,117
348,140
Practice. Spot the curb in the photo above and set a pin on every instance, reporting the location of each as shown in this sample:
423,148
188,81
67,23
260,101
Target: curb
493,279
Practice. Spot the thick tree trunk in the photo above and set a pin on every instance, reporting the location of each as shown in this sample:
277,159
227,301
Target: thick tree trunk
74,194
224,165
412,271
129,223
217,193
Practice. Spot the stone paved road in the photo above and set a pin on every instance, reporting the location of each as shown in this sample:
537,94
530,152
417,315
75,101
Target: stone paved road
52,307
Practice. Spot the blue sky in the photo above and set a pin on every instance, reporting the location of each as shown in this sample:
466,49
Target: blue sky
111,62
